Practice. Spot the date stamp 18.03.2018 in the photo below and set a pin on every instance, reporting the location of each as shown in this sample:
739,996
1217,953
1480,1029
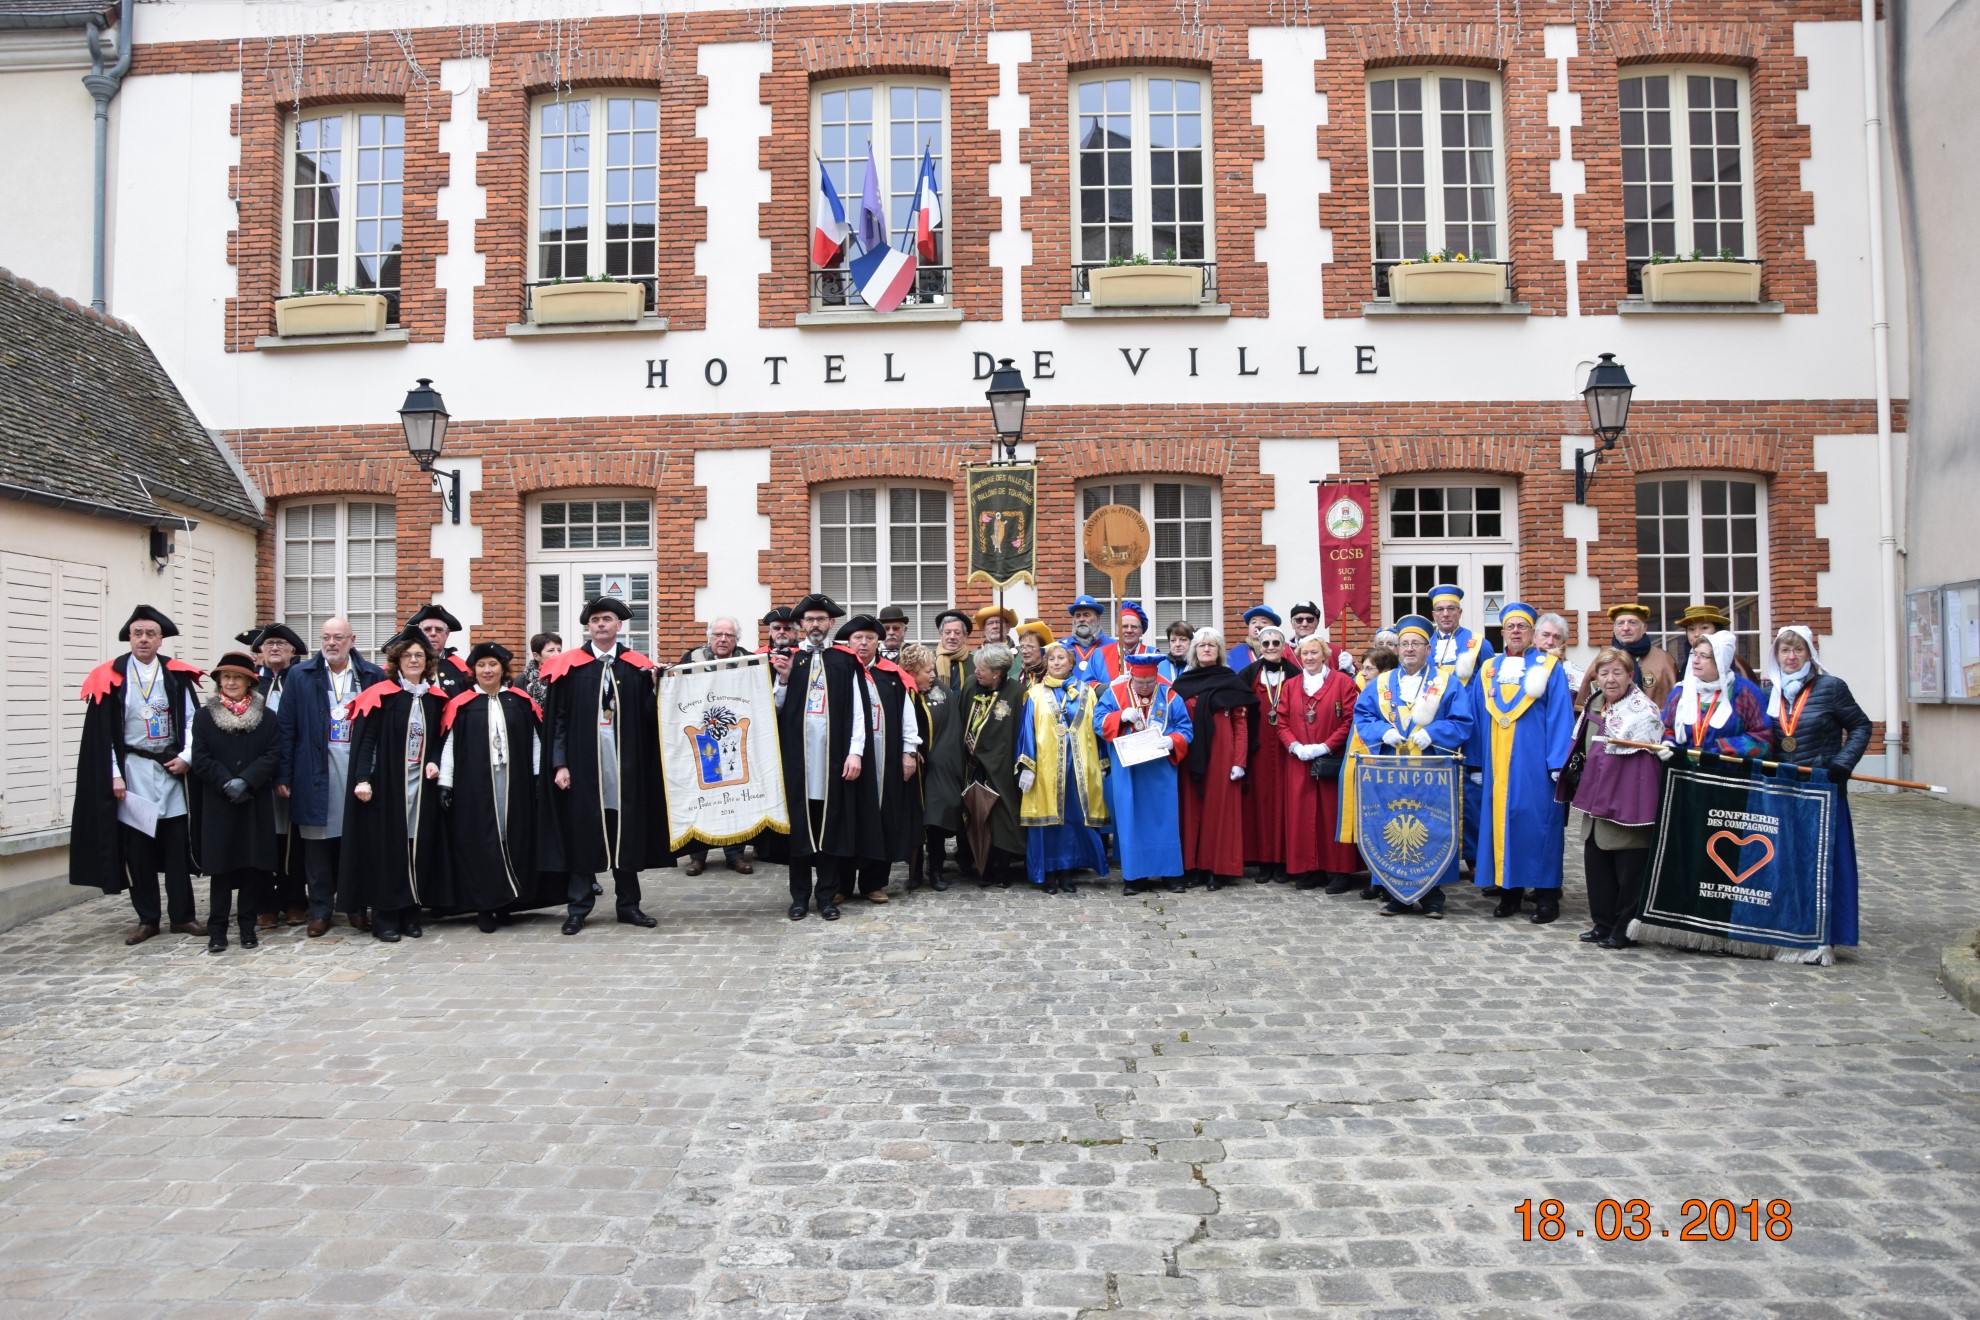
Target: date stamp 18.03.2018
1634,1221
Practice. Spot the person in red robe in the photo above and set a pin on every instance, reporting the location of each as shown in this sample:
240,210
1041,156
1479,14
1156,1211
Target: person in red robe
1223,711
1316,720
1270,766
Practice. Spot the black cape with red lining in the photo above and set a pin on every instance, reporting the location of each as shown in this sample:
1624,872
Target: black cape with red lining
491,844
380,866
96,857
852,828
901,816
571,835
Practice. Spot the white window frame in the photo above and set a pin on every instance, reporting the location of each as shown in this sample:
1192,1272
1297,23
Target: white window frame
300,615
835,291
1683,221
1142,179
1669,634
921,608
1472,553
1436,220
349,218
536,550
1160,616
598,243
637,633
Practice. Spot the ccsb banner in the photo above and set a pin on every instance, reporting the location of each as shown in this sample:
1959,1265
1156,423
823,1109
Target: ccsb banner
719,752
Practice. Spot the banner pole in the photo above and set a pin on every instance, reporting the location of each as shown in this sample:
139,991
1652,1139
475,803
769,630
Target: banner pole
1694,754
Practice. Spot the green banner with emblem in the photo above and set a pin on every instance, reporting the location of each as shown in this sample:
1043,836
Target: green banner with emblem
1003,519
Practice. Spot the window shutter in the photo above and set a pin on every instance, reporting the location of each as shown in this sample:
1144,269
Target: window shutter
52,637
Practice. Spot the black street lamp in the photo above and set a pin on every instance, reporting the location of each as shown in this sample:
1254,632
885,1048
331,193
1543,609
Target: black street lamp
1607,395
424,416
1007,395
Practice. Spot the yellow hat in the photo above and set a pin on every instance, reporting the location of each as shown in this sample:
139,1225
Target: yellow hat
1004,612
1036,628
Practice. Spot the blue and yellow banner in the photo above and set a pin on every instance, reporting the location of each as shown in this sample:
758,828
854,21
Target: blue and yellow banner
1409,821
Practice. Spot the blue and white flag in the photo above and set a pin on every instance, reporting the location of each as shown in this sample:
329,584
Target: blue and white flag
885,276
1409,821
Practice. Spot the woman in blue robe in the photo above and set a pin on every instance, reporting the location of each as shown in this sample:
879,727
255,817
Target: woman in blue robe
1063,808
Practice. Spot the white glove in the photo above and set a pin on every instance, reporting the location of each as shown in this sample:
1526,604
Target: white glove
1237,773
1134,715
1420,740
1554,775
1319,750
1475,776
1666,751
1391,738
1025,780
1297,751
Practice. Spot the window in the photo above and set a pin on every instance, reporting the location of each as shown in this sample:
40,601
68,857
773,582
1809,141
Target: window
1437,184
339,557
597,157
1141,161
596,524
346,202
1439,530
1182,561
870,540
586,545
899,120
1701,541
1687,182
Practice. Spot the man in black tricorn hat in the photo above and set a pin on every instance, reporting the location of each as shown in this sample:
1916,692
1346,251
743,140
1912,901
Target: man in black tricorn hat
437,626
130,820
826,731
607,807
780,631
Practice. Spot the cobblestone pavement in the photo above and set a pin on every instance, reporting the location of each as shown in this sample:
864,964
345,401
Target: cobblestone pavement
1254,1103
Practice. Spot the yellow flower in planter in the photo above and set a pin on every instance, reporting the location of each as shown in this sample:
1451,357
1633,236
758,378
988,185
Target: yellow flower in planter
1460,257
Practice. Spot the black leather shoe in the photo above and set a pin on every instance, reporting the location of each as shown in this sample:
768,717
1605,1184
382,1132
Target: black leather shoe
1371,892
1394,909
414,930
1340,884
1508,904
1544,914
1069,888
572,925
1174,886
634,917
1593,935
386,933
1434,913
486,923
597,890
1616,942
216,939
939,885
249,939
799,911
830,912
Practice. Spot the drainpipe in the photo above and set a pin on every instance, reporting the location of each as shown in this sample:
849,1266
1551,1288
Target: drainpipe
1880,354
103,87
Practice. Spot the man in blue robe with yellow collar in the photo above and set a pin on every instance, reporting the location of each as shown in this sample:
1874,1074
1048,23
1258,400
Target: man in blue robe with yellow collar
1526,713
1413,709
1455,651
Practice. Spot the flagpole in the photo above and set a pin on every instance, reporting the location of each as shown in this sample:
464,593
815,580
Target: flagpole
1696,755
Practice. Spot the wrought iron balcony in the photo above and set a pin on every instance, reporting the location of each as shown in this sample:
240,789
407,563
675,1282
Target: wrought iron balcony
835,290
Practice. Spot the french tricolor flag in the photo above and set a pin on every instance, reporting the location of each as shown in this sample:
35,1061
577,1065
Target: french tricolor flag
927,209
828,226
884,275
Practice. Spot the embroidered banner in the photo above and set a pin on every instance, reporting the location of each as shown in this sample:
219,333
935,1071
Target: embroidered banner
1409,820
1003,513
1741,863
1347,547
719,752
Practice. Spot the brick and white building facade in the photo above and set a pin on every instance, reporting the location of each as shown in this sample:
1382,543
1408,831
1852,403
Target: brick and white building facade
754,438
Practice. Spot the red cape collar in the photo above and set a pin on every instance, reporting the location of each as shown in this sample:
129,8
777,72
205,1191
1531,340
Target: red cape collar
372,697
564,662
109,676
459,703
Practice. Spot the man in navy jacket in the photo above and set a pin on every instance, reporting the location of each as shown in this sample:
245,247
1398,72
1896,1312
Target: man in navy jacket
316,724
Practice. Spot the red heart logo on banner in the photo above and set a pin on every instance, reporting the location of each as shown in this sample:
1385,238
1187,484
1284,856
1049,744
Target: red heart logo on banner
1712,851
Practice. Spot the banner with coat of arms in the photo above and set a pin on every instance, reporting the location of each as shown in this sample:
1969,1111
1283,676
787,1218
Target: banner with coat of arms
1347,550
1409,820
719,753
1003,519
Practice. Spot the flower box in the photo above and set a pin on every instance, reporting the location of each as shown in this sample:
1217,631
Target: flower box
585,301
1702,282
330,314
1145,286
1448,282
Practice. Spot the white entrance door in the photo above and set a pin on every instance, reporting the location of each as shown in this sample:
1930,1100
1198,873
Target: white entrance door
560,592
1450,529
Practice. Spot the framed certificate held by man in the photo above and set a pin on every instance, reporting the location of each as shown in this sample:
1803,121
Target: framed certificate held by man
1142,745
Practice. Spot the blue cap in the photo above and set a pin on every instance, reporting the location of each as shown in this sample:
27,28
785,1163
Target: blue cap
1134,607
1084,603
1445,591
1413,623
1143,660
1270,614
1517,609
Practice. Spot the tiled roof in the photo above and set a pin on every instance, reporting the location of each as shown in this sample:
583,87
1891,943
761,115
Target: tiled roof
90,420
